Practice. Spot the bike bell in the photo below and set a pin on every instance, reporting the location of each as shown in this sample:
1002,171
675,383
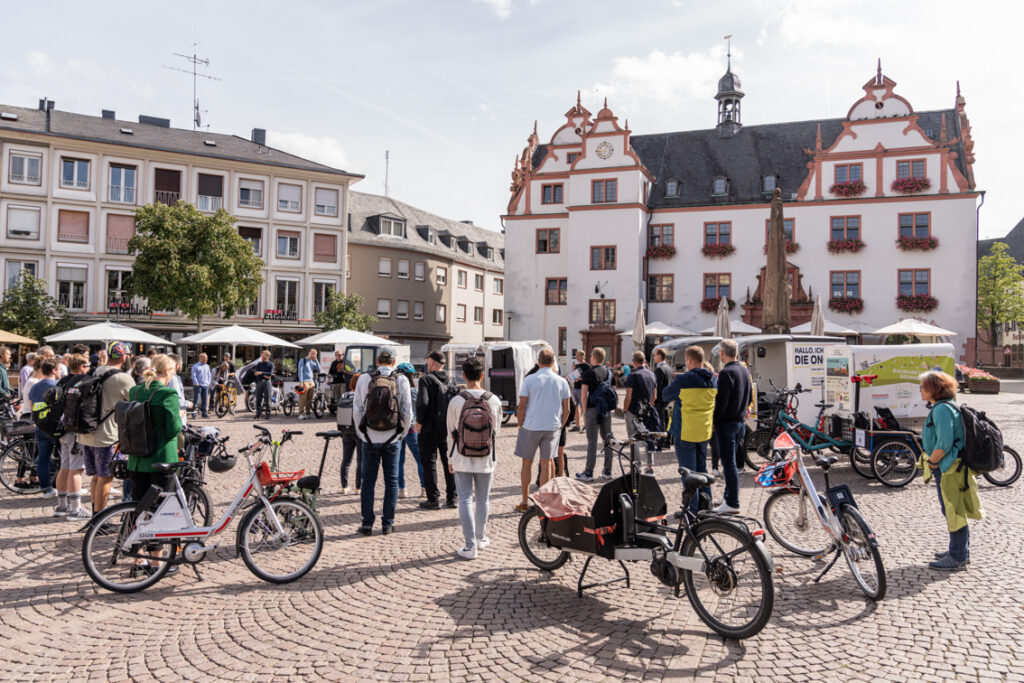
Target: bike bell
222,462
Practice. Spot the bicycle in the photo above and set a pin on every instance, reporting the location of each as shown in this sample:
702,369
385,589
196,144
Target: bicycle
715,559
225,396
200,444
18,458
791,510
130,546
1009,472
278,401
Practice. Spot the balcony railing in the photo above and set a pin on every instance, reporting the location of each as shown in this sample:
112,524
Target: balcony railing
74,302
254,202
117,245
209,203
332,258
167,197
72,237
122,195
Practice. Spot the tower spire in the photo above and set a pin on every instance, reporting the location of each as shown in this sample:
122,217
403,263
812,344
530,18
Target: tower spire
728,52
878,76
578,98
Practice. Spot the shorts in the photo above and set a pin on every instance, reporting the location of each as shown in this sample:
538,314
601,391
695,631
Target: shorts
529,442
97,460
72,456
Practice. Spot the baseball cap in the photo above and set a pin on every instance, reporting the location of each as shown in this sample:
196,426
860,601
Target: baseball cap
385,356
437,357
119,350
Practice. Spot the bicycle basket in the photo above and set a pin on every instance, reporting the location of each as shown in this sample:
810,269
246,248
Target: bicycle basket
19,428
268,478
774,474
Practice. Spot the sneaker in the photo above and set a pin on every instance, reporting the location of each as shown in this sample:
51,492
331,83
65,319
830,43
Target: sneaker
79,514
387,529
60,511
364,530
583,476
649,470
402,493
727,509
430,504
939,556
50,493
346,490
24,485
466,553
606,476
717,473
482,543
948,564
450,503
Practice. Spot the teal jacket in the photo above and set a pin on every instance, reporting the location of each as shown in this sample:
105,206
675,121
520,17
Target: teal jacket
943,429
5,383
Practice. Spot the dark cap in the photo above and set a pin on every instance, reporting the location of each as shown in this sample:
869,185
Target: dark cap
385,356
437,357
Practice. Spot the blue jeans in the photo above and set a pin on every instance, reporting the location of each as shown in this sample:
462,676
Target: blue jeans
45,446
410,440
474,523
728,433
692,456
959,540
376,456
200,397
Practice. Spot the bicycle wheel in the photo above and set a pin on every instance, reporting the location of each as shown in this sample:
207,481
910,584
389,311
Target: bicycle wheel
735,593
758,445
17,461
860,460
318,407
222,404
535,545
288,405
276,558
199,503
894,463
1009,472
793,523
506,418
105,558
250,402
863,558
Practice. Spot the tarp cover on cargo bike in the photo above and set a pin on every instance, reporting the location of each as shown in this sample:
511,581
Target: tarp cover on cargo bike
578,517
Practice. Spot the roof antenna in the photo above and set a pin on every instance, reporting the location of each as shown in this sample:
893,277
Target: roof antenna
728,52
195,61
387,168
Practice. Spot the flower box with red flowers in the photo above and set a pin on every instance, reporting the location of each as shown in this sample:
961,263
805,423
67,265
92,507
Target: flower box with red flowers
910,185
711,305
791,247
717,250
846,304
913,303
664,251
917,243
839,246
849,188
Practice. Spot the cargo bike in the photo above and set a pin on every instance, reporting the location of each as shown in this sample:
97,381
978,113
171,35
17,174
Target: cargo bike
719,561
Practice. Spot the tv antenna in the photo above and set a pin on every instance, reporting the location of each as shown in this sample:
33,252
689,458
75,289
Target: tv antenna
387,168
196,61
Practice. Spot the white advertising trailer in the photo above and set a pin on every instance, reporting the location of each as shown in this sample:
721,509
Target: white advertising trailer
505,365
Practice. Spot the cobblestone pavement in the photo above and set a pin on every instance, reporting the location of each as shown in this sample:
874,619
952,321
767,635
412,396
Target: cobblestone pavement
404,607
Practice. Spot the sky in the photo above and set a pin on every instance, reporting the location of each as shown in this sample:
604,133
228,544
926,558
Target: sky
451,88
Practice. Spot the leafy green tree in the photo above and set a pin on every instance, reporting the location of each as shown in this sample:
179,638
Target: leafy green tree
27,309
344,311
1000,292
192,262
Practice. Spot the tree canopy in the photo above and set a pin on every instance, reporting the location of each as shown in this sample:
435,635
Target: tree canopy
27,309
1000,292
192,262
344,311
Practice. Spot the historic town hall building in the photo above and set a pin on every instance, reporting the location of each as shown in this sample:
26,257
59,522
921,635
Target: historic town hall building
880,216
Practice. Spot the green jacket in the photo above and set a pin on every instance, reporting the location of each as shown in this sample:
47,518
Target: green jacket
163,409
961,504
5,383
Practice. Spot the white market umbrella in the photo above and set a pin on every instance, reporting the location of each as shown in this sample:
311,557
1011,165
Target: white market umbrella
915,328
639,326
106,332
660,329
736,327
346,337
817,318
831,328
236,335
722,319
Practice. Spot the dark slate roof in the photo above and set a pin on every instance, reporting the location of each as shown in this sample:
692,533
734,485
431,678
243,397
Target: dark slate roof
1014,240
729,83
471,239
149,136
695,158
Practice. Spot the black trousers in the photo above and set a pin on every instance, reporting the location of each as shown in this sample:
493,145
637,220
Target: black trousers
430,447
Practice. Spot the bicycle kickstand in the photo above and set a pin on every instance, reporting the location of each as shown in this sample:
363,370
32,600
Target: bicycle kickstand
195,568
839,551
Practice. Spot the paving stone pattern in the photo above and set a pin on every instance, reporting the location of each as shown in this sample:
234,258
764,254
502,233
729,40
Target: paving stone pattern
404,607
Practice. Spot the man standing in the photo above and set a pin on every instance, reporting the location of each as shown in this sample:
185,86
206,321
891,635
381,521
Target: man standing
309,368
99,444
72,461
641,386
543,402
575,378
594,419
339,376
693,396
201,378
432,427
382,398
731,403
663,374
45,444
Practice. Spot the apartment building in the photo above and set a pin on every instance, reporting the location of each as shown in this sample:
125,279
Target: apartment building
70,183
429,280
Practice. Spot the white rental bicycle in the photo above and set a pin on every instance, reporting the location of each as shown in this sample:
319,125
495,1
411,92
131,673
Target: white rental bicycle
804,522
131,546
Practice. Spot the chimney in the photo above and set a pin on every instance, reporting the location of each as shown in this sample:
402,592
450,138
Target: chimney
154,121
46,104
259,136
108,114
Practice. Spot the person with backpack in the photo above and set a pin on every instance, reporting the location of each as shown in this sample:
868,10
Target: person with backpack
45,443
435,392
382,413
410,440
598,398
541,412
72,461
89,412
692,395
474,416
943,439
164,414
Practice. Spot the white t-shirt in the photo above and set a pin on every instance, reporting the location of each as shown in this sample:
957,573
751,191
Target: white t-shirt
26,405
461,463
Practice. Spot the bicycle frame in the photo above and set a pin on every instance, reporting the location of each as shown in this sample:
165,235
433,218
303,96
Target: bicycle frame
818,439
809,494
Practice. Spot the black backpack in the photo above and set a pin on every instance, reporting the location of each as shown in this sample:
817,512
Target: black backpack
445,394
983,442
83,404
48,413
381,408
135,428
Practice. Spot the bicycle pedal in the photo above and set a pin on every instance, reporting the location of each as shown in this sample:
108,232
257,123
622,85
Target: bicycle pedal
823,554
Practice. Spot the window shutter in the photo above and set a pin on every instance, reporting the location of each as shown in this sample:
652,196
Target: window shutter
120,227
325,248
71,273
246,184
211,185
290,193
72,226
23,223
326,197
251,233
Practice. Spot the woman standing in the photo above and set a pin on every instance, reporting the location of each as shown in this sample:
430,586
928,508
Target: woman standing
942,439
263,373
410,439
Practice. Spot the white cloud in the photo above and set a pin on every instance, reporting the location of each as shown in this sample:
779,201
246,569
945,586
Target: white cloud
809,23
502,8
42,68
661,78
324,150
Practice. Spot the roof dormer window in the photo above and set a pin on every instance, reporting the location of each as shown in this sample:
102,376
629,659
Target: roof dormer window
768,183
719,186
392,227
672,188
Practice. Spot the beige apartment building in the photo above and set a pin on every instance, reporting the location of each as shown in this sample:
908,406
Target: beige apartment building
70,183
429,280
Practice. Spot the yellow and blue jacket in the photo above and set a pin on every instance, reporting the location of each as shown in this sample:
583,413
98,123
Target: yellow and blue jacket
692,395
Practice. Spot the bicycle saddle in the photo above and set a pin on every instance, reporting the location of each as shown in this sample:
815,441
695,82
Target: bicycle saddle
333,434
825,461
822,404
695,480
169,466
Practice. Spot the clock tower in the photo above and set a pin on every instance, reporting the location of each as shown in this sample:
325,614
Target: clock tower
728,97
